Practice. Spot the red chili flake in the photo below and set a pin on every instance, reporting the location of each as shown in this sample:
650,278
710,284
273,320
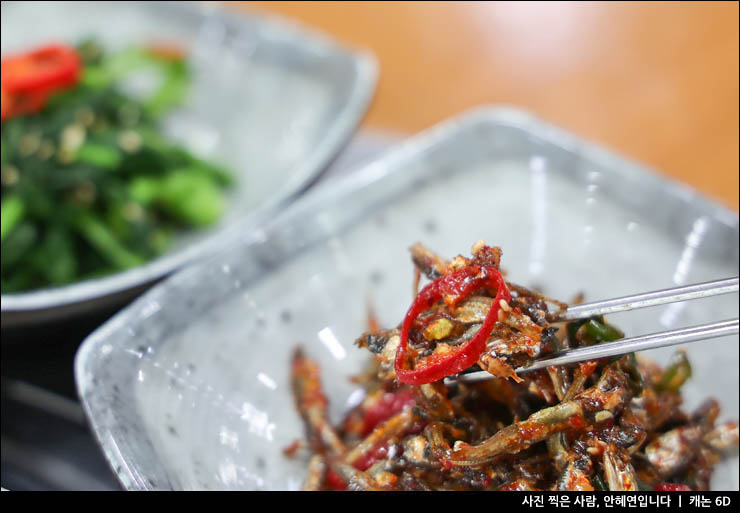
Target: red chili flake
671,487
446,464
292,449
577,422
335,482
417,427
485,481
588,368
386,407
527,433
378,453
514,486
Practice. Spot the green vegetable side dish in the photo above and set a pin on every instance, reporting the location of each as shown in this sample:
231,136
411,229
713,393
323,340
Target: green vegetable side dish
91,185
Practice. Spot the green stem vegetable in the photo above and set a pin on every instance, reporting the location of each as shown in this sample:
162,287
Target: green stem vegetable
91,183
98,235
11,214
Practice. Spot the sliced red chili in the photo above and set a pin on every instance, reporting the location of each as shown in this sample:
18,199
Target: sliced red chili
50,67
452,288
6,106
18,104
335,482
377,453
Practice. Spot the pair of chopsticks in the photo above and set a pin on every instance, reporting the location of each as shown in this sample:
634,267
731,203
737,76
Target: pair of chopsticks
633,344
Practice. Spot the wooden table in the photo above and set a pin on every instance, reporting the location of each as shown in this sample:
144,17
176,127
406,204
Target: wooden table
655,81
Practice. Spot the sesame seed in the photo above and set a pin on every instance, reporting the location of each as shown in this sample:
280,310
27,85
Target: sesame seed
72,137
29,144
129,141
46,150
10,176
132,212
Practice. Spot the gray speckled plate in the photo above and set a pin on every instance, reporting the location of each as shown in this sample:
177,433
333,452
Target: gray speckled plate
272,101
188,387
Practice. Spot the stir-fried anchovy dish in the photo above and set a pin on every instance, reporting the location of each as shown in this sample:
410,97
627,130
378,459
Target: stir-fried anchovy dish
610,424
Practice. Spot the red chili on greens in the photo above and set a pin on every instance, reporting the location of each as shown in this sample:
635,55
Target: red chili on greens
53,66
19,104
452,288
29,79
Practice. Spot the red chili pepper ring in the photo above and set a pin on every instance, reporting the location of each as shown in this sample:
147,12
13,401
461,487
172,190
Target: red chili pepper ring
50,67
452,288
29,79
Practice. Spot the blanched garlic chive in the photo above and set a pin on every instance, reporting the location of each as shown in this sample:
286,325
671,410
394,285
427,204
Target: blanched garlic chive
438,329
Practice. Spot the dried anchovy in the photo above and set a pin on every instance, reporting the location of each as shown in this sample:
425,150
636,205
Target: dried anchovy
601,425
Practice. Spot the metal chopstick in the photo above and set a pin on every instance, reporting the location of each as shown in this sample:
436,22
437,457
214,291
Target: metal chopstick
644,300
619,347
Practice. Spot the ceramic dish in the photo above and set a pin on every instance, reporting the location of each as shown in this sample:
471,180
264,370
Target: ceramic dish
272,101
188,388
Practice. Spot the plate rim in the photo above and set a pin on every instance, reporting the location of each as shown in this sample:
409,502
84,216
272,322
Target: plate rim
365,76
